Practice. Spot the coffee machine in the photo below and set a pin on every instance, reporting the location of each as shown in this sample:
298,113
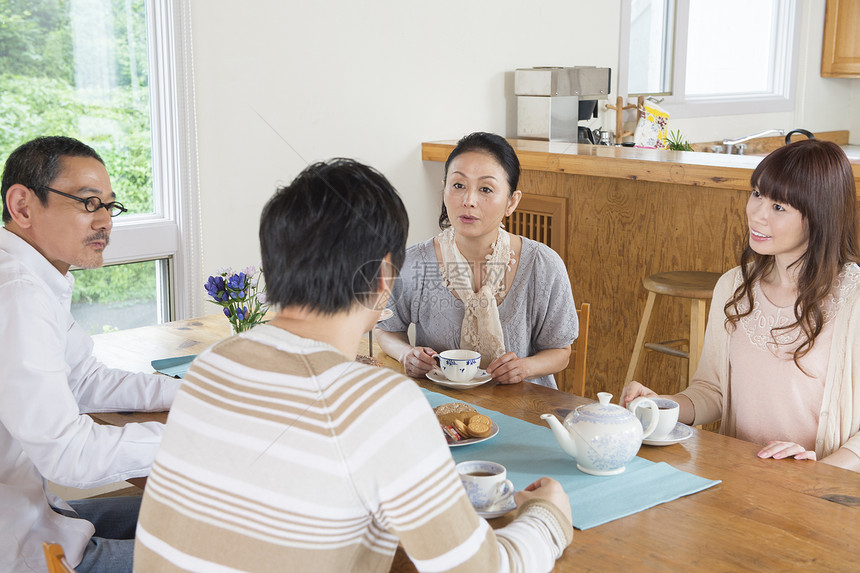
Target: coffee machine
552,101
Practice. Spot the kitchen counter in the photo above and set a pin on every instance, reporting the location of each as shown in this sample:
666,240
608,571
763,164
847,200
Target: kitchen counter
656,165
631,213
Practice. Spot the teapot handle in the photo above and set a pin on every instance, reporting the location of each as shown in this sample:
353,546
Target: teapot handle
655,413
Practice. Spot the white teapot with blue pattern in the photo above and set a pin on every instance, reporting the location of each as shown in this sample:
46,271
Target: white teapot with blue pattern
603,437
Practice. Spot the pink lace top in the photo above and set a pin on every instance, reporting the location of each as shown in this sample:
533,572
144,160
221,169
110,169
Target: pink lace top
771,397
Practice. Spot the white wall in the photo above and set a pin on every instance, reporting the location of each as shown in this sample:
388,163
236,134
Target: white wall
369,80
854,116
284,83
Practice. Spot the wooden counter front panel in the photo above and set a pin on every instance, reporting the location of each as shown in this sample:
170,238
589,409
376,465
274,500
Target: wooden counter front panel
620,231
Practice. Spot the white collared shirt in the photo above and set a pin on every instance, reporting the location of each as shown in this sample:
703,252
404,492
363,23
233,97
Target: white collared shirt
49,380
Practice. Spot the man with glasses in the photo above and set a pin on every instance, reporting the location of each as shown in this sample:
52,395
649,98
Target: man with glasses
58,207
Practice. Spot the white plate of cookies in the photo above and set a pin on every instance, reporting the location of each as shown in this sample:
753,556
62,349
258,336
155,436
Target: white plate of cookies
463,425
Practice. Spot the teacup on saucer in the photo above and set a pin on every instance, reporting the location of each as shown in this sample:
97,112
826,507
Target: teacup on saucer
459,365
480,377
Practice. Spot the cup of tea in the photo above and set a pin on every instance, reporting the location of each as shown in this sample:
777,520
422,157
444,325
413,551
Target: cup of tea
459,365
486,484
668,417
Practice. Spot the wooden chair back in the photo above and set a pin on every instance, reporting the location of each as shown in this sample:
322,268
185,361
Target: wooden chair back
575,383
544,219
56,558
541,219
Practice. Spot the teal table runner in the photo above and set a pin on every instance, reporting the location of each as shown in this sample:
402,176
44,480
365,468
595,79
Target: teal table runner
530,452
175,367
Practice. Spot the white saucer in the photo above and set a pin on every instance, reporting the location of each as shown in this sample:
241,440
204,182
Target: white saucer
680,433
494,429
510,506
437,376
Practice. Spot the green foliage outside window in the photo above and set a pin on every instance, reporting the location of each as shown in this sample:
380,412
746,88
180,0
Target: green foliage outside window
115,284
45,91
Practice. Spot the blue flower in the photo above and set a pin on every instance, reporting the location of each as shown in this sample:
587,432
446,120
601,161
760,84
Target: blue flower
242,313
240,297
236,282
214,287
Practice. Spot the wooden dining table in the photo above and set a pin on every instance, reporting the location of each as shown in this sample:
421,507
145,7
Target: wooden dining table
766,515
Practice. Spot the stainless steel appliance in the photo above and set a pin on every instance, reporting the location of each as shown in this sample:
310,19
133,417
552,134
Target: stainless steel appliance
552,101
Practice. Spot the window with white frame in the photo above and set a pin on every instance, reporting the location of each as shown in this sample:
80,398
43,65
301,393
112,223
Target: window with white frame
709,57
115,74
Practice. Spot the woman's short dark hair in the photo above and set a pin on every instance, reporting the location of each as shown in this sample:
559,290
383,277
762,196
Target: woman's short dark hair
814,177
492,144
324,236
36,164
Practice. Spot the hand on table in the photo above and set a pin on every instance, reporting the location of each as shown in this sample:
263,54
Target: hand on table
508,369
781,450
633,390
418,361
548,489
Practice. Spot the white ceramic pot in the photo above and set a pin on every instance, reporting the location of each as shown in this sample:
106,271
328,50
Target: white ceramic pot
603,437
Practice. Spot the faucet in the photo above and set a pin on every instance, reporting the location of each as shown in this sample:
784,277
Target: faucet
729,143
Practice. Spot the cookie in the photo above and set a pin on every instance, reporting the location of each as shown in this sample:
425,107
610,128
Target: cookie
451,411
363,359
453,407
479,426
462,429
448,419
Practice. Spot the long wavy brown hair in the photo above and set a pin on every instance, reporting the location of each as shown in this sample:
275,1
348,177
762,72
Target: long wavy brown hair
815,178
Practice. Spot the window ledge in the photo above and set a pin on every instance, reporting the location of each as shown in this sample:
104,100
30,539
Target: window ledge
728,106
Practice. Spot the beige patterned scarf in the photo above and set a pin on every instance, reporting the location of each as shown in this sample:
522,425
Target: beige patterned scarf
482,329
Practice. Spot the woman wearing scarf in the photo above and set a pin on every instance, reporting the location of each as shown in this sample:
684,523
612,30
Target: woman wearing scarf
475,286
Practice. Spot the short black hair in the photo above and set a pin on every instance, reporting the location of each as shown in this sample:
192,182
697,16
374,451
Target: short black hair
323,237
36,164
492,144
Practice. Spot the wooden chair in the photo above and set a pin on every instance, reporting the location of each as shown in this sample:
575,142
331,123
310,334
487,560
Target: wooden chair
544,219
695,286
56,558
575,382
541,219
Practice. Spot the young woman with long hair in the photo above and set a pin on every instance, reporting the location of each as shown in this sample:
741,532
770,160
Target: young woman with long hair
781,361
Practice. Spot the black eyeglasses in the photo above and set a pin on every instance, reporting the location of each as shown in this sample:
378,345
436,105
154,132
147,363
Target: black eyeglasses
93,204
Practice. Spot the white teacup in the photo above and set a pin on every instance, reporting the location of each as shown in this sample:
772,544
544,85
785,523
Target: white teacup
459,365
486,484
668,417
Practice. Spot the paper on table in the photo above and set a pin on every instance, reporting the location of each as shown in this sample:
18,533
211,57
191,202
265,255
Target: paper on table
530,452
175,367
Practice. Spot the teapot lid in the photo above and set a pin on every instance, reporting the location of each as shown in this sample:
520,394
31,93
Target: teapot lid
602,413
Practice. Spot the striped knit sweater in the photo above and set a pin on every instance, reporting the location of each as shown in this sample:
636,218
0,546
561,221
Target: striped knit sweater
282,454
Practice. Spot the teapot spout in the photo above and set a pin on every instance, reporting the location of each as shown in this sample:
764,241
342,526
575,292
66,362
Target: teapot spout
562,436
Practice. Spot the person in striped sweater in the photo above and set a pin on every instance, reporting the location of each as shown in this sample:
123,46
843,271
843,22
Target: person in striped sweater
283,453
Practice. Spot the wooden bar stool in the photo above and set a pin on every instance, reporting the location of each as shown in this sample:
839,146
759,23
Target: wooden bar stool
698,286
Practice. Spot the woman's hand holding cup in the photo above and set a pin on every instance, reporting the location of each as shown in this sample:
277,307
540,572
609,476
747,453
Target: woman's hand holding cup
418,361
633,390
